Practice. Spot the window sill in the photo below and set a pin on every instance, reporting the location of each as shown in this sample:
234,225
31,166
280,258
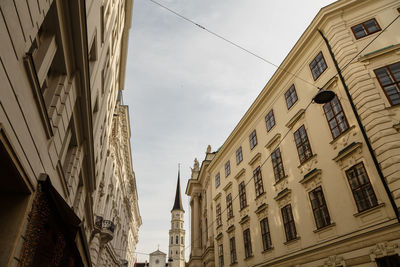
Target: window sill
292,241
325,227
249,257
307,160
244,208
369,210
260,195
267,250
280,180
233,263
342,134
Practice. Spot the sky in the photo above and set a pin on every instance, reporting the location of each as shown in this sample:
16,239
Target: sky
187,89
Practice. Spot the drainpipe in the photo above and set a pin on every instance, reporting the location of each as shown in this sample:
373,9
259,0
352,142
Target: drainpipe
371,151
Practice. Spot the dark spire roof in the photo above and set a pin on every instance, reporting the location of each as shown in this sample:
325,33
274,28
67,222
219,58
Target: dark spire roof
178,199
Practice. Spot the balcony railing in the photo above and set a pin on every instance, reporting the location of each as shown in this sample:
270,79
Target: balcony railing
105,227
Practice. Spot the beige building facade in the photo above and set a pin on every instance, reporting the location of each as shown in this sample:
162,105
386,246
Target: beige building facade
65,153
295,183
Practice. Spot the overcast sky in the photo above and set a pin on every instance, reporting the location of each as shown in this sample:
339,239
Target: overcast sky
187,89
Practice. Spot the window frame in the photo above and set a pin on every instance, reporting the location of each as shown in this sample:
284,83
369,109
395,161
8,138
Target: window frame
396,83
270,120
258,182
366,29
277,165
221,254
288,223
232,246
239,155
318,66
227,168
229,206
218,219
217,180
304,145
288,95
320,210
247,243
265,234
335,117
242,195
364,187
253,139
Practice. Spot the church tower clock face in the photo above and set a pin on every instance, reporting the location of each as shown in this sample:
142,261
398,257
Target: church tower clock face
177,232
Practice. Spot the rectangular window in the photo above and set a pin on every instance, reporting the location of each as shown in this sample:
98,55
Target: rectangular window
218,212
229,208
253,139
291,96
288,222
227,168
302,144
336,118
177,240
318,66
366,28
239,155
270,120
217,180
221,255
247,243
258,181
232,245
242,195
361,187
389,261
266,237
389,79
277,164
320,210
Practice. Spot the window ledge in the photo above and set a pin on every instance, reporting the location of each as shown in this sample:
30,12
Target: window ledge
262,207
217,196
242,171
280,180
260,195
230,229
234,263
348,150
379,52
226,187
292,241
342,134
249,257
244,208
255,158
369,210
267,250
273,140
307,160
244,219
283,193
310,175
295,118
325,227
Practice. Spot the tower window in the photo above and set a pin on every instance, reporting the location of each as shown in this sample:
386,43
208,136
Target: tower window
177,240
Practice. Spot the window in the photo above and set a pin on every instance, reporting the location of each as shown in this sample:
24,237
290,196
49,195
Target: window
229,208
227,168
247,243
318,66
221,255
218,212
320,210
265,235
389,79
302,144
389,261
291,96
366,28
253,139
177,240
206,229
232,245
288,222
258,181
239,155
270,120
182,240
335,116
362,189
242,195
172,239
277,164
217,180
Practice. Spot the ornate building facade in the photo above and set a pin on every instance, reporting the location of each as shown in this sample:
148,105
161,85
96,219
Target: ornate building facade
304,184
62,69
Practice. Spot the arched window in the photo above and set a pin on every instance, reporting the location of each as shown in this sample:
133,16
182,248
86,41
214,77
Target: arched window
181,239
177,240
172,240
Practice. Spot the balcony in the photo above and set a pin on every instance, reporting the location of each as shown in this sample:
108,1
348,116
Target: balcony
98,220
105,228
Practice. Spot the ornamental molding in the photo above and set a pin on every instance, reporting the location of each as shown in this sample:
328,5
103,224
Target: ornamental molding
295,118
273,140
255,159
240,173
384,249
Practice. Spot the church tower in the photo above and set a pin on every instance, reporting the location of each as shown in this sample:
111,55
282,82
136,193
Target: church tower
177,233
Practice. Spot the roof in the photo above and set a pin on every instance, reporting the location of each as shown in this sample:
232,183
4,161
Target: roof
178,199
158,252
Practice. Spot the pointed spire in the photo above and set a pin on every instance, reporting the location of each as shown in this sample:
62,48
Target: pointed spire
178,200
